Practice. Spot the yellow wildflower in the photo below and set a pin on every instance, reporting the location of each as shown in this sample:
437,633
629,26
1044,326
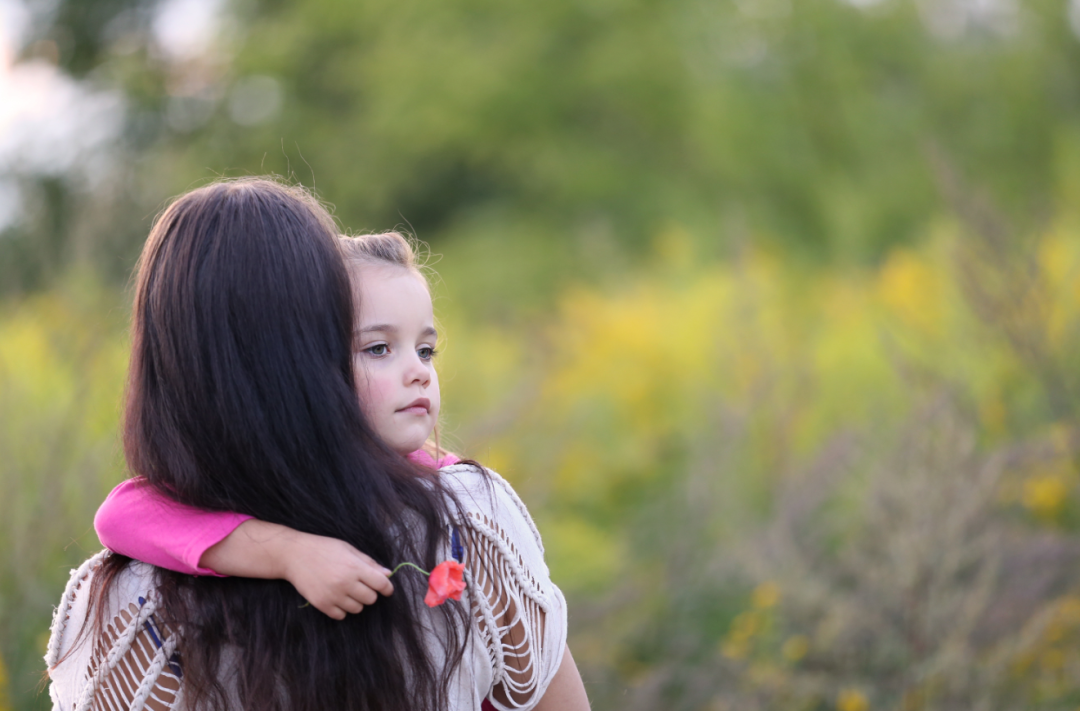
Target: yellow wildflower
852,700
1044,495
1052,660
1068,611
765,596
735,649
5,699
911,288
745,625
795,648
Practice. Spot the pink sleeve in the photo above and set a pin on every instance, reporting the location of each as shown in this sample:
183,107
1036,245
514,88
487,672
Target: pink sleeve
137,521
448,460
425,459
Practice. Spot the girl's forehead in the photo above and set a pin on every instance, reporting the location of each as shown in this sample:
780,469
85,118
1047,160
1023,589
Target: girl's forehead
391,290
374,274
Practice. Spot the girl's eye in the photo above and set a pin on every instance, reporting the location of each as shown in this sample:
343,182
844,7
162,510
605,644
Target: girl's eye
426,353
379,349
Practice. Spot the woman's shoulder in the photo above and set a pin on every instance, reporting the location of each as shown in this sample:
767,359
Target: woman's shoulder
484,494
127,603
131,586
520,613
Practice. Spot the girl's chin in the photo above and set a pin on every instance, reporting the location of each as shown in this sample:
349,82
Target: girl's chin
404,439
407,447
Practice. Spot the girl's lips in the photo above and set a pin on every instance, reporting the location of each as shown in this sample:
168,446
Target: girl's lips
419,406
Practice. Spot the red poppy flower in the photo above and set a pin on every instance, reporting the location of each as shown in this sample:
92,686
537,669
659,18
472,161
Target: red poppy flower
447,581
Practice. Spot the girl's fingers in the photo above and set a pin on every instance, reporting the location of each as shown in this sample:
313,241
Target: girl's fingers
352,606
366,558
363,594
373,577
371,562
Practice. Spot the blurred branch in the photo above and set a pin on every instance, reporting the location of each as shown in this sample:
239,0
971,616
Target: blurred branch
1004,284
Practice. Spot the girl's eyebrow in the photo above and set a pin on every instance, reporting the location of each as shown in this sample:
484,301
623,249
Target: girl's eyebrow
387,328
381,327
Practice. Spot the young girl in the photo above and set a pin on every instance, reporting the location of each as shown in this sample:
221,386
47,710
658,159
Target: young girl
241,396
399,390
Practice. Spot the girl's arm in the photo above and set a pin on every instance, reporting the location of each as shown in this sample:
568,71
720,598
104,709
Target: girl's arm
137,521
329,573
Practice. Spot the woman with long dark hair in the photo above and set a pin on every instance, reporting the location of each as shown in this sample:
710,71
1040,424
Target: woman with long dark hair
242,397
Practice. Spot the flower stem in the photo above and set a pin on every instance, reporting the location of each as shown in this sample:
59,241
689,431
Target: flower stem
411,565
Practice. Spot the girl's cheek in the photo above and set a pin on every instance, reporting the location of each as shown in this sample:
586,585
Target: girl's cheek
366,382
374,391
359,377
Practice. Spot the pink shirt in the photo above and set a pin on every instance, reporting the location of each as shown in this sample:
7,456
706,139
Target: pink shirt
137,521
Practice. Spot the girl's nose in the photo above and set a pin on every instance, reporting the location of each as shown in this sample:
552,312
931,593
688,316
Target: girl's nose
417,372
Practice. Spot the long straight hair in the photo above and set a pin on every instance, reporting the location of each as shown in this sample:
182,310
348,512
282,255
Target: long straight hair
241,397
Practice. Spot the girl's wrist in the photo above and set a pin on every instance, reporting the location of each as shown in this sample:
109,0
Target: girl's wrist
286,552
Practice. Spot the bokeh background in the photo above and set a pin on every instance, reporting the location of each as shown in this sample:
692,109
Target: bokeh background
769,308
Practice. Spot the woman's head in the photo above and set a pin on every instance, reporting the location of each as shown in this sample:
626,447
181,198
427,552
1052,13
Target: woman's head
395,339
242,397
242,313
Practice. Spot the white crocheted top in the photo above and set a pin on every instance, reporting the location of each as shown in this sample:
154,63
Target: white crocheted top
516,648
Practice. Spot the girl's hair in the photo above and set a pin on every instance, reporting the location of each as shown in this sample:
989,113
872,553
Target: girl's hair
386,247
241,398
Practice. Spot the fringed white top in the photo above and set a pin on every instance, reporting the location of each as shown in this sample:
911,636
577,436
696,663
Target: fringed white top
517,644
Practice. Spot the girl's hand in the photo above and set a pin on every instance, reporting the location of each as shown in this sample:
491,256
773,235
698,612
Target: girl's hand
333,576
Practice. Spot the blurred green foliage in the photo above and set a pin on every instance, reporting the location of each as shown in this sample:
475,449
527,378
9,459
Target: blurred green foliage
768,308
589,124
872,450
63,357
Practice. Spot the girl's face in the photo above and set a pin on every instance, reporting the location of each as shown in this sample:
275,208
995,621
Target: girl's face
395,336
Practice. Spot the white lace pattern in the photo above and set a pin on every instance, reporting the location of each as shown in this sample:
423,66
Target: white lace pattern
520,614
129,667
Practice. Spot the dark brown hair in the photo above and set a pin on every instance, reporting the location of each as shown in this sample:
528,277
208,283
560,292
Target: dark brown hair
241,398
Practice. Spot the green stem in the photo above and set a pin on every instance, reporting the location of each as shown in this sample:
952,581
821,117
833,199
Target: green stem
411,565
